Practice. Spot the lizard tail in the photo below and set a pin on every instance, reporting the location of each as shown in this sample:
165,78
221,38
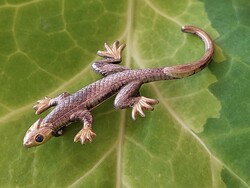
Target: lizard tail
181,71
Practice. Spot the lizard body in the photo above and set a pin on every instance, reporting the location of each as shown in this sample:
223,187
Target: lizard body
118,80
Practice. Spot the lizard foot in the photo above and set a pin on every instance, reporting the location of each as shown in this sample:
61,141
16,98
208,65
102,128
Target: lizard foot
42,105
143,103
84,135
113,52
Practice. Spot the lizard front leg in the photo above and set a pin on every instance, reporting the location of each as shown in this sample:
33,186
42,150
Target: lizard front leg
46,103
129,96
86,133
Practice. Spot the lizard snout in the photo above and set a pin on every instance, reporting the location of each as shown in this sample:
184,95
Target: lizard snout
37,134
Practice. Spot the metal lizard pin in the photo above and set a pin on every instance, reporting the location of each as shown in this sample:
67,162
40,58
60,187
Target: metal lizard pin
117,80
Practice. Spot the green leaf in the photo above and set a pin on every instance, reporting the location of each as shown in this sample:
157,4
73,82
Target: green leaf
198,136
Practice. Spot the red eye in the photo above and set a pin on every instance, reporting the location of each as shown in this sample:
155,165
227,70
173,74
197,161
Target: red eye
39,138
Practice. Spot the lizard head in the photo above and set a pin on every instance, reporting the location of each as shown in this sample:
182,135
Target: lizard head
37,134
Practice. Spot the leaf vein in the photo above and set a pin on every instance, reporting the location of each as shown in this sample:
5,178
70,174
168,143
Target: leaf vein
97,164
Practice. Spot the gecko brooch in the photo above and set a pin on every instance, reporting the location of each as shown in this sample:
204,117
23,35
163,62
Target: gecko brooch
117,80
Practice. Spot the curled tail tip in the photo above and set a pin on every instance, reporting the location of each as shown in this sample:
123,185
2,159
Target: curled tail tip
183,28
190,29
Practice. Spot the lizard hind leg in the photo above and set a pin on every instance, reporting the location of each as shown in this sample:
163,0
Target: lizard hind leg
107,69
112,52
141,104
112,57
129,96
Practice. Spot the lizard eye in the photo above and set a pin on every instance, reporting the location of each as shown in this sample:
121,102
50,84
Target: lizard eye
39,138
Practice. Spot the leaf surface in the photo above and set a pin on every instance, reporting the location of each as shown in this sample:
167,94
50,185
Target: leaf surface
198,136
